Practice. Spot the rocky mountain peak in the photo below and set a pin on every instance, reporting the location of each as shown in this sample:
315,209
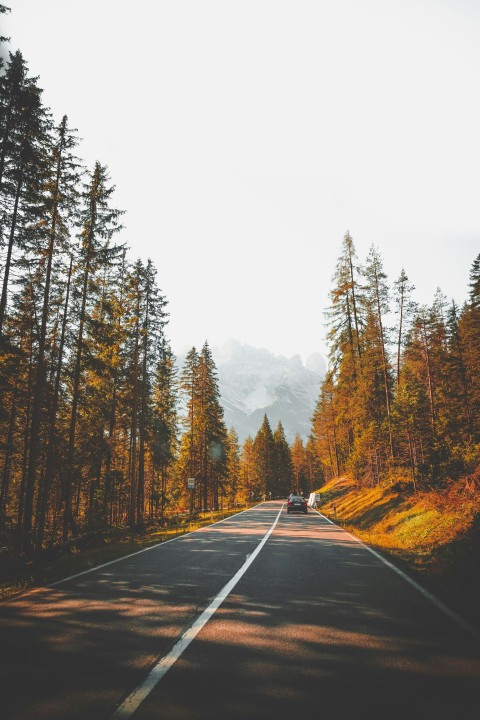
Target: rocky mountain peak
253,381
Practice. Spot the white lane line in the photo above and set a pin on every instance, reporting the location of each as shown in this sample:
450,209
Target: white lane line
134,700
473,632
36,591
137,552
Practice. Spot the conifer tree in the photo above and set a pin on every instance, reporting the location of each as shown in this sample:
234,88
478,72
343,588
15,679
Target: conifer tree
165,421
189,447
469,333
234,484
212,430
264,461
458,400
154,319
313,465
53,227
23,166
377,297
404,309
300,476
325,428
247,468
344,314
98,223
283,467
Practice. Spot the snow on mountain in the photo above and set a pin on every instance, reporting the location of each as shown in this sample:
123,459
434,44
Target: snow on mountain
254,381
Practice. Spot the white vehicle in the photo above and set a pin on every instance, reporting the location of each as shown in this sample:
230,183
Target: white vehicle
313,499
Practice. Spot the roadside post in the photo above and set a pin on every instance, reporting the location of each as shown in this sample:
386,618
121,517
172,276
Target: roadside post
191,487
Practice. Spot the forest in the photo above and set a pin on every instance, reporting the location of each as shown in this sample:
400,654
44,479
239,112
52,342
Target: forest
100,429
402,395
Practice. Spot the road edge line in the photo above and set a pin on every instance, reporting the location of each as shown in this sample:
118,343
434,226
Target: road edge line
457,619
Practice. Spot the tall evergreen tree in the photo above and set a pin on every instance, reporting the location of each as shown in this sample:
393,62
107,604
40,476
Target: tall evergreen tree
53,228
377,295
189,446
165,420
212,430
98,223
23,165
283,467
404,309
247,469
233,481
264,480
300,475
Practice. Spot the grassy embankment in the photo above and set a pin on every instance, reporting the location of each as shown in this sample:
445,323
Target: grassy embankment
433,535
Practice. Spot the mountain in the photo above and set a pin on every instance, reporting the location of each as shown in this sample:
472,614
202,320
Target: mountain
254,381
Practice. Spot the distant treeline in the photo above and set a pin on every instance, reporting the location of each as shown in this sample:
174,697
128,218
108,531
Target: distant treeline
402,400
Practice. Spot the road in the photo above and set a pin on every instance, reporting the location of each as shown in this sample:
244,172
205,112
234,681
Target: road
313,623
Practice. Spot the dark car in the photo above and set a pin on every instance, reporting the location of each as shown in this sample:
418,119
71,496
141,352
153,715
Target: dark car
297,503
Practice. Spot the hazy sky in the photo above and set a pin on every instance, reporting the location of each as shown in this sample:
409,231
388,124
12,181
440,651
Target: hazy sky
245,137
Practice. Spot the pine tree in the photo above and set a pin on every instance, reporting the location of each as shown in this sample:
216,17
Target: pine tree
212,430
283,467
264,480
344,314
233,482
247,469
405,308
300,476
98,223
314,468
189,446
469,334
376,336
23,164
457,390
165,422
325,428
53,228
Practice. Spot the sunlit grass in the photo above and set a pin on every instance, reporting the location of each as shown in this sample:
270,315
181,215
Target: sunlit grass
422,527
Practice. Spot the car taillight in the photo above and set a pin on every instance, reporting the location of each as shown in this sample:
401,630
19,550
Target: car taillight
290,502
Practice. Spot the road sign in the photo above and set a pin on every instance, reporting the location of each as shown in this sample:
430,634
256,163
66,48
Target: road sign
191,483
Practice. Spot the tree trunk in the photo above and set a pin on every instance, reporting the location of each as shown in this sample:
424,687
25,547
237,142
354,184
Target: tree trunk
8,261
133,436
384,365
49,463
8,460
426,351
67,513
39,386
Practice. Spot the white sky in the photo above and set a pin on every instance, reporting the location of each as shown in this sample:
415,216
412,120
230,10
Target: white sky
245,137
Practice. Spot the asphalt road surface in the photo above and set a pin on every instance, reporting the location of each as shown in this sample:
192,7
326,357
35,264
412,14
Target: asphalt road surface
310,622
